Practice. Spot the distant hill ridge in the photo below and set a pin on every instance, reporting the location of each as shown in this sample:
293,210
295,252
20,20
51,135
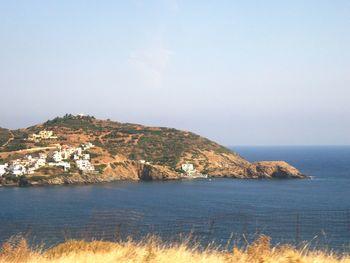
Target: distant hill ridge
137,152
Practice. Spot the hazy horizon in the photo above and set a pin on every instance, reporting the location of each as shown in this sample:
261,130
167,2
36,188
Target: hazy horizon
239,73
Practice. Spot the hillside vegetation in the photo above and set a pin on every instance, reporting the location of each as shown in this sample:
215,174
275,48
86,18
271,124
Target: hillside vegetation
152,250
125,151
164,146
5,135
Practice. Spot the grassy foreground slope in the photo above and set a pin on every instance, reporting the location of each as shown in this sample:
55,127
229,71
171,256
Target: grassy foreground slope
154,251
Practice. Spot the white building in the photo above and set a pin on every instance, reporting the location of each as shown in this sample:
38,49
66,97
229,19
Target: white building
45,134
3,169
187,167
144,162
84,165
65,154
56,156
17,169
66,166
28,158
86,156
42,156
40,163
87,146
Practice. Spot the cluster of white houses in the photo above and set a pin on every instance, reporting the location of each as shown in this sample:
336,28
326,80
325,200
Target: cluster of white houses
82,160
61,157
25,165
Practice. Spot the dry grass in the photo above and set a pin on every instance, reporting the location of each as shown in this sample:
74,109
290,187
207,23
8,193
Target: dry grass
153,250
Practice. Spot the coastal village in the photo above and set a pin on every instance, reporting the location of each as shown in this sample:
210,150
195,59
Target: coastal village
64,156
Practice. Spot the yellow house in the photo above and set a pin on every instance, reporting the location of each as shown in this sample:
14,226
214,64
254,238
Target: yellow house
44,135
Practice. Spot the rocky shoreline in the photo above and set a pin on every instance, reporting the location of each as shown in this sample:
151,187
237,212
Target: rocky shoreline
134,171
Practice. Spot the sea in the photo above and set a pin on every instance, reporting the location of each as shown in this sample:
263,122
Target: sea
312,213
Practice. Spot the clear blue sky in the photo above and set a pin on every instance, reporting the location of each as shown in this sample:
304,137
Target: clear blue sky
239,72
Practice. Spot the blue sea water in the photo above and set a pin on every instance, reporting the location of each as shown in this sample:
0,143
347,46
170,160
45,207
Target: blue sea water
219,210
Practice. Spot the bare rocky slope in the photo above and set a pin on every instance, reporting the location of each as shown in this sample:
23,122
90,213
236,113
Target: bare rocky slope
120,147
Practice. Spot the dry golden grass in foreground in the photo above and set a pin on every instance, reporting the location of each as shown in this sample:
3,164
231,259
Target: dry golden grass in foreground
73,251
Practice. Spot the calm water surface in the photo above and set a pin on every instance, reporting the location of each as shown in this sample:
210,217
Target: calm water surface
217,209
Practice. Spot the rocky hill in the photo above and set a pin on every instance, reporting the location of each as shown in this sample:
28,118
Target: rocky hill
124,151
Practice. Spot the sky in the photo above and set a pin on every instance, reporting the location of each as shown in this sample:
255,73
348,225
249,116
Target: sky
238,72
